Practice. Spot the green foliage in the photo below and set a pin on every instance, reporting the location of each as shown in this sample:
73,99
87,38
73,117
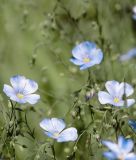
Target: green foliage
36,41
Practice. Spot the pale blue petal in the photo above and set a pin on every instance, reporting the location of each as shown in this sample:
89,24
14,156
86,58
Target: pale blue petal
83,49
9,91
46,124
76,61
112,87
105,98
110,155
125,57
18,82
126,88
69,134
130,156
130,102
119,104
96,56
52,125
126,145
51,135
129,55
134,16
87,65
19,100
132,123
132,53
112,146
30,87
32,98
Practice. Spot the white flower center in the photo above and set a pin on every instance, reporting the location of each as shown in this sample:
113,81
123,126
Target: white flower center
116,100
20,96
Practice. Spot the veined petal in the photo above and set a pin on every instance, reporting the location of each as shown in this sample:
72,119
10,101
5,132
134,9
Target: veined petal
130,156
132,123
69,134
30,87
9,91
96,56
32,98
87,65
112,87
126,89
110,155
105,98
18,82
126,145
130,102
83,49
76,61
53,125
112,146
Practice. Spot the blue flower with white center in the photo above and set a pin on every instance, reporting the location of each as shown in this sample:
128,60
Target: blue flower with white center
86,55
54,128
132,124
115,94
22,90
120,151
129,55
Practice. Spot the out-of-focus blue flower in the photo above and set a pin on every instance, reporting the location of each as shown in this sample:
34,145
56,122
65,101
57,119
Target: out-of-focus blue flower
54,128
22,90
120,151
129,55
132,123
116,93
134,13
86,55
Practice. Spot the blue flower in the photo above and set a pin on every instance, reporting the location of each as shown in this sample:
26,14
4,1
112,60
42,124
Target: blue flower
54,128
134,13
129,55
132,123
86,55
116,93
22,90
120,151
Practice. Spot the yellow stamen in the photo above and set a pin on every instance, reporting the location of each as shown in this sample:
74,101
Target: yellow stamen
20,96
86,60
116,100
56,135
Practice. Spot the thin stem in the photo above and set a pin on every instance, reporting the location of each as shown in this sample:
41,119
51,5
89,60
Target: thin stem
53,150
29,129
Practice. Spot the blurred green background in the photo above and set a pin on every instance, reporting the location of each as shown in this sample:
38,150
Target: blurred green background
36,39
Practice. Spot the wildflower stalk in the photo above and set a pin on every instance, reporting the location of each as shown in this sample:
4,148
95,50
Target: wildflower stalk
53,150
30,132
9,140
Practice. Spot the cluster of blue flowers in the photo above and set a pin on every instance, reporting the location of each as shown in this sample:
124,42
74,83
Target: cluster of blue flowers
22,91
85,55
